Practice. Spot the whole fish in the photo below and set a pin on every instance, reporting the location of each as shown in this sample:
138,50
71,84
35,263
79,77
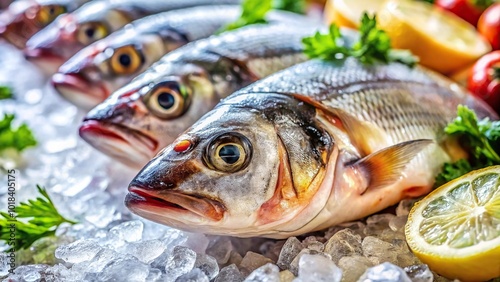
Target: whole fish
92,74
67,35
23,18
310,147
150,112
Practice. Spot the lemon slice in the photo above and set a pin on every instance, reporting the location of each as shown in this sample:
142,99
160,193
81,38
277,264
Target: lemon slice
347,13
443,41
456,228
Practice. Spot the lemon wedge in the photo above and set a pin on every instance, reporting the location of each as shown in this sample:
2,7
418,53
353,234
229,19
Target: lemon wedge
443,41
456,228
347,13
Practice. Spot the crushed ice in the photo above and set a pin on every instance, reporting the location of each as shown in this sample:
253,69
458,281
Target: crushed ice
111,244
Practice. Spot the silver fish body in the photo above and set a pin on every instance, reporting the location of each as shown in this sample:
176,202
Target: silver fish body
92,74
23,18
312,146
150,112
63,38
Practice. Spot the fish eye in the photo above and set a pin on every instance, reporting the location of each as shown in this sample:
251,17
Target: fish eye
168,100
230,152
126,60
91,32
49,13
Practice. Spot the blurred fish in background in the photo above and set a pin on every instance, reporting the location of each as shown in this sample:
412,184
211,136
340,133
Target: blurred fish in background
23,18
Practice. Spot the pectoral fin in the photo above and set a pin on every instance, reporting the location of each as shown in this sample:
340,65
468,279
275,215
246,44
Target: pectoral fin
385,167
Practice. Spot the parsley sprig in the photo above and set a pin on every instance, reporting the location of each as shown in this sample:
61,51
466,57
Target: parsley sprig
481,138
252,12
41,219
295,6
5,93
373,45
18,138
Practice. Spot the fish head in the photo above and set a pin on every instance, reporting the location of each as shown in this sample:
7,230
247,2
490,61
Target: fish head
52,46
236,171
89,77
159,106
26,17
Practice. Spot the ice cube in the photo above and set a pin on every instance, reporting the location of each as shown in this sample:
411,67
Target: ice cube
251,261
179,262
375,224
78,251
59,272
235,258
419,273
386,272
343,243
317,268
197,242
154,275
294,265
379,251
357,227
146,251
271,249
124,270
207,264
4,264
405,206
398,223
312,243
229,273
101,259
353,267
289,251
30,273
195,275
221,249
129,231
266,273
286,276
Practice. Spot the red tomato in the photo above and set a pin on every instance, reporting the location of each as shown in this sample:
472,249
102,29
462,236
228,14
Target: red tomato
489,25
484,79
466,9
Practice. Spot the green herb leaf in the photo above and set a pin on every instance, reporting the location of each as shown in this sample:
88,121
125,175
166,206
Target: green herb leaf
253,12
295,6
326,46
5,93
479,137
19,138
374,45
451,171
41,219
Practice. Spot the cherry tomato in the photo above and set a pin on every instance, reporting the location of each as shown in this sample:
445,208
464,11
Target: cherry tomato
489,25
484,79
469,10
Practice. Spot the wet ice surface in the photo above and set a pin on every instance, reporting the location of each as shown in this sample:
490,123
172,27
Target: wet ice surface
111,244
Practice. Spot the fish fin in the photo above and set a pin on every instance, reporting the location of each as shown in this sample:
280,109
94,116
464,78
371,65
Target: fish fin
366,137
386,166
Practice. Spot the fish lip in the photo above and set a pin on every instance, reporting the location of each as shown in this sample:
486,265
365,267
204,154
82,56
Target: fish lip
74,84
176,202
130,147
39,53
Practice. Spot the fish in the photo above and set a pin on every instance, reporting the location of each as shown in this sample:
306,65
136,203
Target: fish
151,111
98,70
23,18
310,147
68,34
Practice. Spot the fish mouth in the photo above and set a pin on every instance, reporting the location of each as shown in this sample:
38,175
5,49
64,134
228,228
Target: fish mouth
170,203
78,90
17,29
44,58
127,145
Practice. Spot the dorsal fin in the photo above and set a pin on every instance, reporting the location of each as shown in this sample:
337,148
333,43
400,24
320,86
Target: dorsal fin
385,167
